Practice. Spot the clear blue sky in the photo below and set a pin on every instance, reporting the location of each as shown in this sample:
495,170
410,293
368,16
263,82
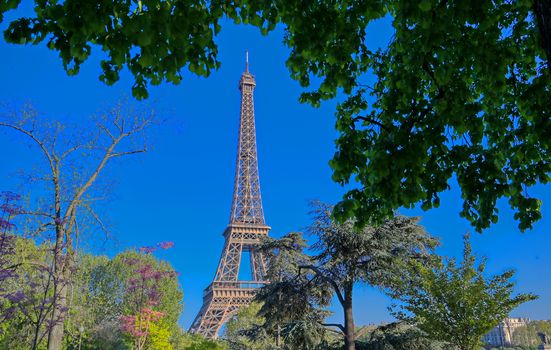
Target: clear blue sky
181,190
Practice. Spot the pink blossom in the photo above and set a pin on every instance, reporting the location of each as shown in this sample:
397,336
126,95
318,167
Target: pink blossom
147,250
138,325
165,245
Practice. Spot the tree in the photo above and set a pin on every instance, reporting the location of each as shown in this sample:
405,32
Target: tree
398,336
133,297
245,329
101,290
460,90
456,303
528,335
344,257
187,341
25,280
34,303
459,93
68,194
159,336
143,294
8,209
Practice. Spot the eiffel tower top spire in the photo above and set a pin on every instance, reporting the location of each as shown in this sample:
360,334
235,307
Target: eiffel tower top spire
247,201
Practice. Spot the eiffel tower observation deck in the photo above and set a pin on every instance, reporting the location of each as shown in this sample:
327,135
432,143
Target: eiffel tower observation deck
226,294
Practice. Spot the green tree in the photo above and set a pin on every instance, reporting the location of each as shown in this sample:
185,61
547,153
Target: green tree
186,341
343,258
285,256
245,329
110,296
456,303
29,299
98,296
460,90
398,336
159,337
528,335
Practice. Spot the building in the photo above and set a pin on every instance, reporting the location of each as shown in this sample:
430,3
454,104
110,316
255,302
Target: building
502,334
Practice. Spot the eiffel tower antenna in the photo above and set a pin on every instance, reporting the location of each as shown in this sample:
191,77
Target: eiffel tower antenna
226,294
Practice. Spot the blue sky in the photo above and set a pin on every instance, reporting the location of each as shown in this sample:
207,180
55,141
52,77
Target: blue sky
181,189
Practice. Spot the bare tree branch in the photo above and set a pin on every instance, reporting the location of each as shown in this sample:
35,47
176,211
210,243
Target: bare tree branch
33,137
102,127
35,213
128,153
69,151
96,218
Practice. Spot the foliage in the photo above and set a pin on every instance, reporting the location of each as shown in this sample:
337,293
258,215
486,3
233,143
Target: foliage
398,336
72,160
460,90
528,335
460,93
456,303
8,208
303,286
517,348
143,292
248,330
304,335
159,337
245,329
139,326
98,295
187,341
27,297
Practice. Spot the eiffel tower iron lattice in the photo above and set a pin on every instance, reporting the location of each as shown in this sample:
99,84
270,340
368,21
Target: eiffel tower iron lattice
226,294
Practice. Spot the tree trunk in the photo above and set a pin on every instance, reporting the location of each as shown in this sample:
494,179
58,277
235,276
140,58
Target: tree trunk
60,271
349,329
542,12
55,336
278,336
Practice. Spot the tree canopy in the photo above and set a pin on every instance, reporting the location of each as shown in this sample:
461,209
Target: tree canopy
303,285
461,90
456,302
103,293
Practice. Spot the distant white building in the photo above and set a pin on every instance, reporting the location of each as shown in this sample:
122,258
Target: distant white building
502,334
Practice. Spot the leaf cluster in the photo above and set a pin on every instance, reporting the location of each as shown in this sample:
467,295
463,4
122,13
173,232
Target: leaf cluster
460,93
398,336
461,90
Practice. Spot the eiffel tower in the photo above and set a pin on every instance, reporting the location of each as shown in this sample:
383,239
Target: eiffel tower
226,294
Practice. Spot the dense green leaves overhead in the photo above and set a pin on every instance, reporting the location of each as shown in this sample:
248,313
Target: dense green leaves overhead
462,89
153,39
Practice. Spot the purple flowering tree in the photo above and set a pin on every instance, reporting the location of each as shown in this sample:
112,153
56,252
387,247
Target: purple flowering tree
8,209
144,295
31,297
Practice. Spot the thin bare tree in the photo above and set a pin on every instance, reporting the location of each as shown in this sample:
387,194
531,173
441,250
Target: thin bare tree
75,158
